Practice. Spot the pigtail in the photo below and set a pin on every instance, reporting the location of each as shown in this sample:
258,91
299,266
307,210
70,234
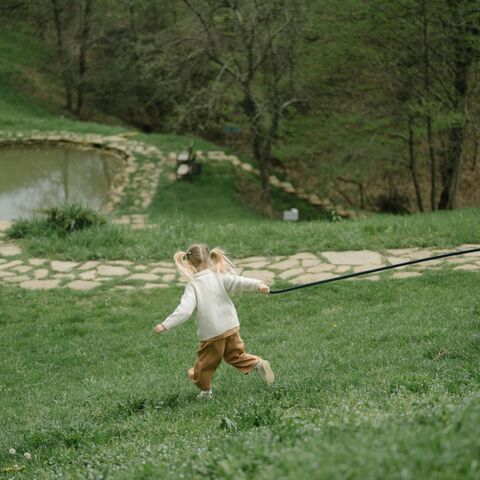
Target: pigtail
183,266
221,262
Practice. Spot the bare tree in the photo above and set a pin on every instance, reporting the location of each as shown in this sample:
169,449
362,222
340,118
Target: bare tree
84,43
253,45
62,53
462,30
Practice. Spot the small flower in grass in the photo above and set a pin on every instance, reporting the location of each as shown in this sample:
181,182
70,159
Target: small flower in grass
12,451
27,455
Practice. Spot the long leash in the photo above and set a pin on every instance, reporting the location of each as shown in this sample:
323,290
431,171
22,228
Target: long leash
374,270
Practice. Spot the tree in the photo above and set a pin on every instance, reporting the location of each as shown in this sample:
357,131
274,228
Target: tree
253,45
462,32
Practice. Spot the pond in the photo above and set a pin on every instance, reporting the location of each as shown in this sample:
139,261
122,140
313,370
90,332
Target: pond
32,178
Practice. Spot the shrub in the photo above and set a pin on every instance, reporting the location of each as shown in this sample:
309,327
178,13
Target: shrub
62,219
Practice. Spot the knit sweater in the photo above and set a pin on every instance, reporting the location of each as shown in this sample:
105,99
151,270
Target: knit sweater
208,293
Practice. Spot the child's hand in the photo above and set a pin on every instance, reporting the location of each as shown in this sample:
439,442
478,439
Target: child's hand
159,328
264,288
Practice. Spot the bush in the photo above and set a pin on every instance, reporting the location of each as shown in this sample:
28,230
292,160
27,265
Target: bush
62,219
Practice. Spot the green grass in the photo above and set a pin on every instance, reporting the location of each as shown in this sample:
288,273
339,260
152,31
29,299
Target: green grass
374,380
212,196
178,227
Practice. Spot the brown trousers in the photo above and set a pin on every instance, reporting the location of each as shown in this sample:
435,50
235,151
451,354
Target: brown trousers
210,354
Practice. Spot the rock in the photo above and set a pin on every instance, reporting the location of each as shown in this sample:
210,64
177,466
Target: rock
124,287
9,250
360,257
64,276
263,275
342,269
40,273
169,277
314,200
163,264
363,268
121,262
274,180
40,284
140,268
323,267
89,265
311,277
468,267
6,274
286,264
163,270
467,246
5,225
154,285
305,256
255,265
13,263
395,260
291,273
111,271
241,261
82,285
36,262
401,251
216,155
310,262
88,275
22,268
17,279
247,167
147,277
62,266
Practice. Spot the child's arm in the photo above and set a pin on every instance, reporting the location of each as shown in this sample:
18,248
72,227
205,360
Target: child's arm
237,283
182,313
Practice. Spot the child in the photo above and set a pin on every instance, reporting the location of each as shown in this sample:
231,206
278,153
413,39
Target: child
213,277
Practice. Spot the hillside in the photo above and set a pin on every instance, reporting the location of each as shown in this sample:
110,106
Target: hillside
375,378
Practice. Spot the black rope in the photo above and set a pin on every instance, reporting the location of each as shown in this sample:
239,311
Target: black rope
374,270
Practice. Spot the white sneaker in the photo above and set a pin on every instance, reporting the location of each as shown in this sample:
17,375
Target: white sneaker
265,371
205,395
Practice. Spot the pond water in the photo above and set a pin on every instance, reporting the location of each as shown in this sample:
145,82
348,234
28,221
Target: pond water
32,178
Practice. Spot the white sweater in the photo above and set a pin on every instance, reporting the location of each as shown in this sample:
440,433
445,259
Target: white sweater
208,293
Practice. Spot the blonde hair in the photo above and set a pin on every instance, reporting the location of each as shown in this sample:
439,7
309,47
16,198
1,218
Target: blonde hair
199,255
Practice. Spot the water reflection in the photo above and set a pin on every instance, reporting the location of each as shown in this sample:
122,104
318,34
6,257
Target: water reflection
35,178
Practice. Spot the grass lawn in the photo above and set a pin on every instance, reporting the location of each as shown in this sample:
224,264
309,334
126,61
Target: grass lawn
242,233
374,380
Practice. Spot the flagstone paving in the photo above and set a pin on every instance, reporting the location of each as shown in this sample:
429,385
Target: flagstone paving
303,267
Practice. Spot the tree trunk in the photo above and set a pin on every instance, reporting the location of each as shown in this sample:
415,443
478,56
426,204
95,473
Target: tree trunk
67,83
412,163
426,66
82,56
463,55
475,153
261,151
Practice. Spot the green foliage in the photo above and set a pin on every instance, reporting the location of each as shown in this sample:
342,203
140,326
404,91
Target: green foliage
374,380
61,220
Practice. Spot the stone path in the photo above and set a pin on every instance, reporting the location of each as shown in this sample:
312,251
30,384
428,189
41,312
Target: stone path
41,273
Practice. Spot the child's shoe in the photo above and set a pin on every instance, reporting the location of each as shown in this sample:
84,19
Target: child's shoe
205,395
265,371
